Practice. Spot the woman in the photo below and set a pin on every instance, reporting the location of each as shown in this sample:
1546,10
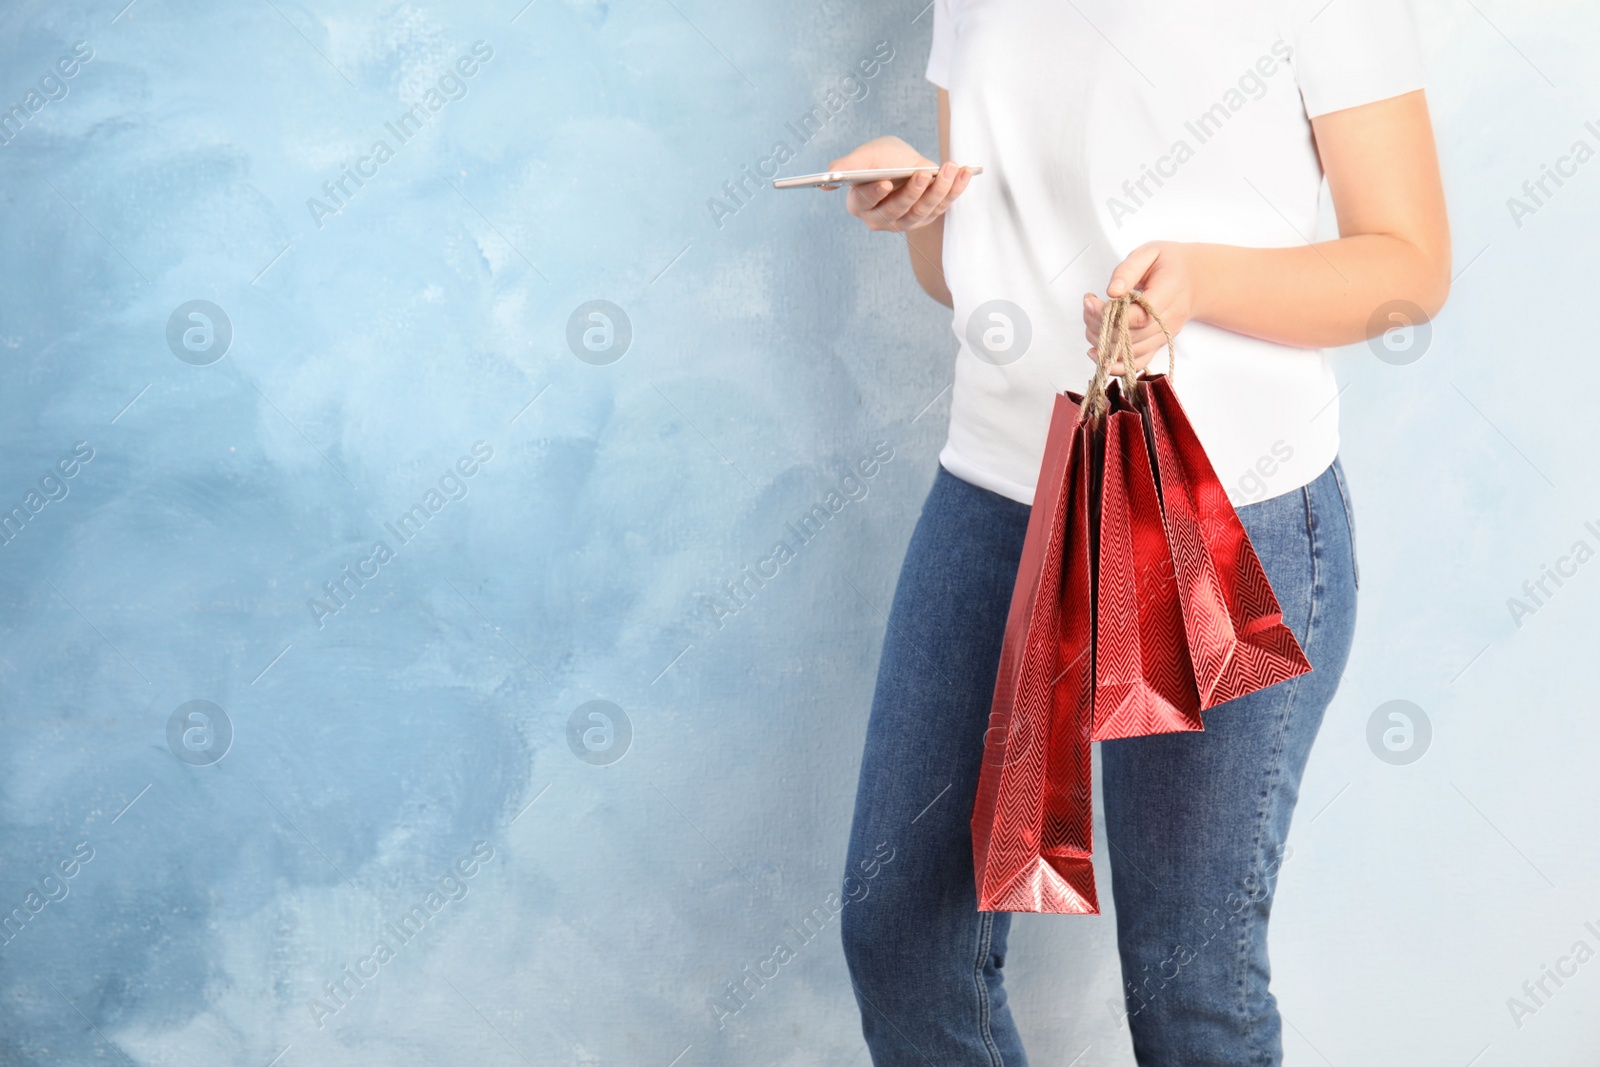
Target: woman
1177,149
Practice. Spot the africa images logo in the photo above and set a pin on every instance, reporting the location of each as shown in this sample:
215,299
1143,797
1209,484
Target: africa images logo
450,86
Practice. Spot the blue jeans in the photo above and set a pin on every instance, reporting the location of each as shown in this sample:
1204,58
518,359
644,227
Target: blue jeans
1196,821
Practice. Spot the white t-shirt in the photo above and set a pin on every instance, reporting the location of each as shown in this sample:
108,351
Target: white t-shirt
1103,124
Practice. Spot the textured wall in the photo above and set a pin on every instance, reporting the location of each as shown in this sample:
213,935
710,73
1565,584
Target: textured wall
408,753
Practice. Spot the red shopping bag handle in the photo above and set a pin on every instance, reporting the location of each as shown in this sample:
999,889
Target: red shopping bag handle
1115,345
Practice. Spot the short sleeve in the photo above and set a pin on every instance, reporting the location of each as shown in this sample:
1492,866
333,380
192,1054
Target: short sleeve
944,34
1353,52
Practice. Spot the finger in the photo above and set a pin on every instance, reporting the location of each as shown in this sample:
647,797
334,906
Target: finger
895,203
878,219
874,192
963,179
911,190
1092,331
1093,326
882,215
1094,319
958,185
1115,367
1131,271
1151,331
887,219
859,200
899,202
935,193
868,196
1147,350
1141,325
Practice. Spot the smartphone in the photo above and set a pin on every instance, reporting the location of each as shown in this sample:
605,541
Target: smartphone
832,179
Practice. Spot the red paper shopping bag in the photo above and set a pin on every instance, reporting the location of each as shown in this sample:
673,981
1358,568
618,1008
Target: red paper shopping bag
1237,638
1139,603
1032,820
1143,680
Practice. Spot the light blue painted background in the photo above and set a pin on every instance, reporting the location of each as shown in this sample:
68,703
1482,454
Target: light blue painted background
769,354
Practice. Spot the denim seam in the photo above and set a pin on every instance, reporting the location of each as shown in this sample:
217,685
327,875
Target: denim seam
985,930
1275,779
1248,928
1349,520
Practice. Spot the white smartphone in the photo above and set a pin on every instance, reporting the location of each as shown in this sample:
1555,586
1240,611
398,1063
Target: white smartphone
832,179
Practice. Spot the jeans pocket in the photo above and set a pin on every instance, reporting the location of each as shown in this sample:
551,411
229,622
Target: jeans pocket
1349,519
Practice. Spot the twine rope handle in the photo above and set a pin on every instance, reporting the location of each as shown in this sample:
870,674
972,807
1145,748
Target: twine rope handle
1116,346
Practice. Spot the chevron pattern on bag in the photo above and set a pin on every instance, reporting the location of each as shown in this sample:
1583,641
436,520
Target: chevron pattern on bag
1237,638
1139,604
1069,802
1143,680
1031,823
1062,885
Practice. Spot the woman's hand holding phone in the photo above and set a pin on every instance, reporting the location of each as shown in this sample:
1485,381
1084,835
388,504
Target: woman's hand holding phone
899,207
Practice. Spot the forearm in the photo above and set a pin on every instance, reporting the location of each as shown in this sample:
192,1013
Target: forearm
925,245
1312,296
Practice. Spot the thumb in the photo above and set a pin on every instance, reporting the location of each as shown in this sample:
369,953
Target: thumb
1131,271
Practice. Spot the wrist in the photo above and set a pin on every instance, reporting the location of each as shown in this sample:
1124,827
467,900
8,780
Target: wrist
1200,265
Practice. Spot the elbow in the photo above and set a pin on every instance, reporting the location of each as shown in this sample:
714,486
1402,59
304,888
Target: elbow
1433,290
1414,287
1433,276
